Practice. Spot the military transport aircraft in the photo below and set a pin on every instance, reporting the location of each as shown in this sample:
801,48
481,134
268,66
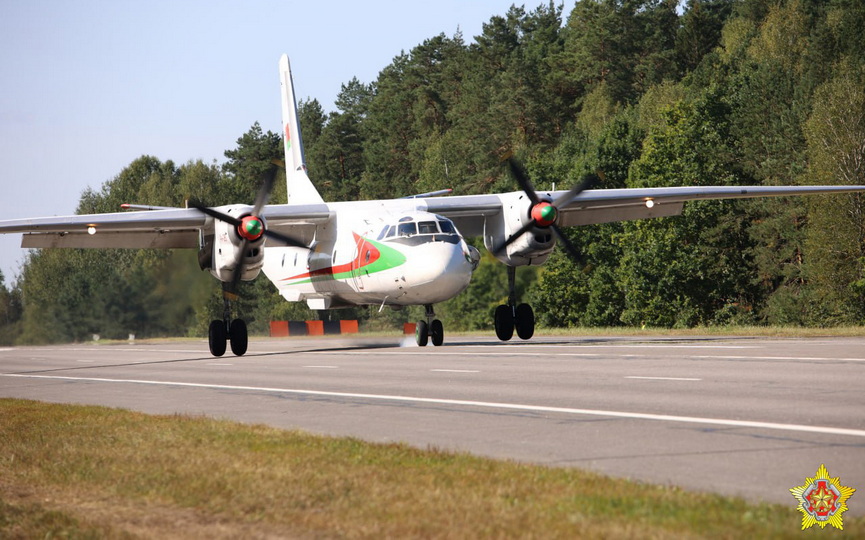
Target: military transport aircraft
395,252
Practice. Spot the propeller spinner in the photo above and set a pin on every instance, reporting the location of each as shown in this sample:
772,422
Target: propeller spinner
545,214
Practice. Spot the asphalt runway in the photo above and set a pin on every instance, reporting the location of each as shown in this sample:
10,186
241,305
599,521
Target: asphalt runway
740,416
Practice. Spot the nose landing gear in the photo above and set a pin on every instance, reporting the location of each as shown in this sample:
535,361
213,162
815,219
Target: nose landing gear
430,329
509,317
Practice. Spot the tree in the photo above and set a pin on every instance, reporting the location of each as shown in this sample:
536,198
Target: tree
337,152
700,31
249,164
10,313
835,246
693,269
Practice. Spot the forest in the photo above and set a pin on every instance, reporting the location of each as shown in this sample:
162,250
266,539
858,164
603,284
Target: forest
650,92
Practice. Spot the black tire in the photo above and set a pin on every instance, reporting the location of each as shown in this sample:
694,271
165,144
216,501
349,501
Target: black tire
421,334
525,321
437,332
216,337
238,336
504,322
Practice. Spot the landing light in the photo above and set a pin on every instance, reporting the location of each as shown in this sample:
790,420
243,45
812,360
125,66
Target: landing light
650,203
91,230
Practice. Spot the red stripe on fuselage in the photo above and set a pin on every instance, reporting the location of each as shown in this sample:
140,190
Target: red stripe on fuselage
374,255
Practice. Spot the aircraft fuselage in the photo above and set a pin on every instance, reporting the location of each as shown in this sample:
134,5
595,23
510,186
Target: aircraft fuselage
394,258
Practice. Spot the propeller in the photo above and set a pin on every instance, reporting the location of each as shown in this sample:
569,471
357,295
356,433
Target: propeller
250,227
544,214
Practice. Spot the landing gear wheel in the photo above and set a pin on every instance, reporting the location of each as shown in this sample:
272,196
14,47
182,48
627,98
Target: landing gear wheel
504,322
238,336
437,332
216,337
525,321
421,333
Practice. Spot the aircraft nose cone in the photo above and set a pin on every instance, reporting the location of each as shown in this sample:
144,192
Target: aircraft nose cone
441,273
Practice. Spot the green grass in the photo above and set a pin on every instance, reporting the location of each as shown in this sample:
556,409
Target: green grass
93,472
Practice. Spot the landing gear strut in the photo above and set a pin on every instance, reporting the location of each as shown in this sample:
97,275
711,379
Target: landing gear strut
512,316
431,328
227,330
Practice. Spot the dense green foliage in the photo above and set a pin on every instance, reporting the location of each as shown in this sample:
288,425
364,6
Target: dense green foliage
721,92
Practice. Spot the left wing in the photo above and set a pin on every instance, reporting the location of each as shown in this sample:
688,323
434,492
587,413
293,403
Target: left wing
470,212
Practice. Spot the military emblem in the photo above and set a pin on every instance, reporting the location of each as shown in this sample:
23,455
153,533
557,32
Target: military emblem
822,500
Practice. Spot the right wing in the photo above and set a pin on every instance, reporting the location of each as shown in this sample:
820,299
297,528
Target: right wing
165,228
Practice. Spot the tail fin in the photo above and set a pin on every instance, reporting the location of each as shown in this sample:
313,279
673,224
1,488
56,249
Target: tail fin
298,185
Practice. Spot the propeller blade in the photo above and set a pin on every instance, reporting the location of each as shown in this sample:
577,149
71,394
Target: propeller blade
513,238
264,192
287,240
215,213
587,182
231,287
569,247
522,179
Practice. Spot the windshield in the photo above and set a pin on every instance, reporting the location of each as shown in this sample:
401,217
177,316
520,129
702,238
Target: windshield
407,229
411,231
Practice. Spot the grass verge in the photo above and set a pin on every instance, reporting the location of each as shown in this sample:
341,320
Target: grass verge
92,472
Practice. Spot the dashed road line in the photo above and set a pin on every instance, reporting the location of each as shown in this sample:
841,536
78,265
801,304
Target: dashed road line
663,378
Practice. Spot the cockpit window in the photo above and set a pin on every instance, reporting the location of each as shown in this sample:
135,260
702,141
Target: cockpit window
414,233
447,227
427,227
407,229
382,234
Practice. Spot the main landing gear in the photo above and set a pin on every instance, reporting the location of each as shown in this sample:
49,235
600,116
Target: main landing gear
227,330
512,316
430,329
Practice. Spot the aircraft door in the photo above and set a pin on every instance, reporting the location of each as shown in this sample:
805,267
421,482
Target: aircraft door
363,253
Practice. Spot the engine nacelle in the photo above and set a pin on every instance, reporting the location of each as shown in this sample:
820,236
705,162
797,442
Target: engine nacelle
227,246
533,247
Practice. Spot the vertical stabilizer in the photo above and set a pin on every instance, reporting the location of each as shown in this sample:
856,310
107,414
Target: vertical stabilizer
298,185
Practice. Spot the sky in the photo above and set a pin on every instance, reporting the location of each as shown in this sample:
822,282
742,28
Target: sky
87,86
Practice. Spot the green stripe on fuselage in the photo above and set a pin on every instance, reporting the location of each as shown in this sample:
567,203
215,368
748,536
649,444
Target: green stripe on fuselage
389,258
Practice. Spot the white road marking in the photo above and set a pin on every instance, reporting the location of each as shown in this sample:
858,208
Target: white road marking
114,348
824,430
455,370
625,346
218,364
515,351
322,367
663,378
797,358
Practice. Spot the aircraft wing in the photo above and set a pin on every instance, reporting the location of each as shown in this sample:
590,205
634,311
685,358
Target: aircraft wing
164,228
608,205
